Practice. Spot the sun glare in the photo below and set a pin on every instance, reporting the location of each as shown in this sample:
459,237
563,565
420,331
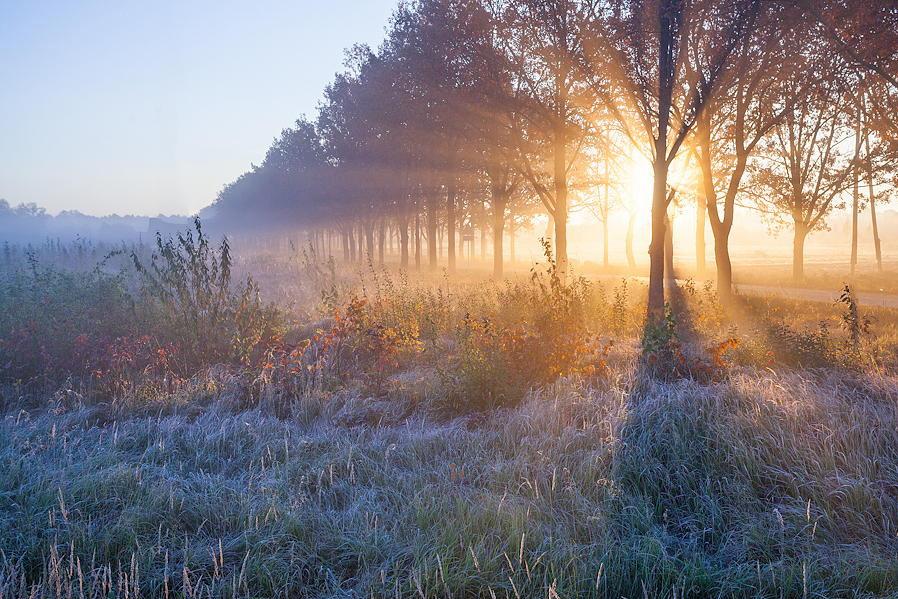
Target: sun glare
637,181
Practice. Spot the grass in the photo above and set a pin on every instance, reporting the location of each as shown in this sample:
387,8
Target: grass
774,485
435,438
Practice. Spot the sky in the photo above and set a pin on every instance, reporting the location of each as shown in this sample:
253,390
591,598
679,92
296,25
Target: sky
151,107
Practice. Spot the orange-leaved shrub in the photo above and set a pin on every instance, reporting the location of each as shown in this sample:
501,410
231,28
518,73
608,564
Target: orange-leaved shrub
540,330
357,342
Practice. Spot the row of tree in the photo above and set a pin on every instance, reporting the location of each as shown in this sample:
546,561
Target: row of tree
480,112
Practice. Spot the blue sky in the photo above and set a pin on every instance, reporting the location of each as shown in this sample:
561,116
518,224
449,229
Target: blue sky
150,107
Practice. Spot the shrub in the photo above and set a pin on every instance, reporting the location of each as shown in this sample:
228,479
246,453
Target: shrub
542,330
854,324
106,335
484,371
666,357
359,341
363,342
55,324
188,283
135,362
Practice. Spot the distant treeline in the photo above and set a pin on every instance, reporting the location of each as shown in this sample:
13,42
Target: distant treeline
29,223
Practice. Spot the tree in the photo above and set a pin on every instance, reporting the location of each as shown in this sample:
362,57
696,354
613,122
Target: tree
604,176
769,75
544,41
605,206
854,115
439,46
666,59
865,36
494,118
804,172
880,161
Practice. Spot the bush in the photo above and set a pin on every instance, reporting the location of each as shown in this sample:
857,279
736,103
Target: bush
187,282
666,357
819,347
110,334
541,330
54,324
358,342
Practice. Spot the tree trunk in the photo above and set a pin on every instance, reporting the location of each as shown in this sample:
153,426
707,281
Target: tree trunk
431,233
403,243
631,224
369,242
511,239
801,234
668,250
346,254
605,262
854,215
450,223
701,206
498,202
352,246
561,239
560,180
606,210
483,235
720,226
724,267
381,242
855,193
656,247
877,245
667,11
417,241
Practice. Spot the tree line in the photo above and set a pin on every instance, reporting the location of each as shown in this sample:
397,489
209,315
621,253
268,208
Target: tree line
475,114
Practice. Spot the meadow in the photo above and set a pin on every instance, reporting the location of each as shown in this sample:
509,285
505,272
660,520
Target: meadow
182,421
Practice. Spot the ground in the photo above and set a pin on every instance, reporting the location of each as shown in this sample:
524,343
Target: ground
743,452
763,485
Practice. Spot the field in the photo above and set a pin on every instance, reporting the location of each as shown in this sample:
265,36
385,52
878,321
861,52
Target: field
172,429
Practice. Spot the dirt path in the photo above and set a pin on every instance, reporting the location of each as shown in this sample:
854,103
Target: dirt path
864,298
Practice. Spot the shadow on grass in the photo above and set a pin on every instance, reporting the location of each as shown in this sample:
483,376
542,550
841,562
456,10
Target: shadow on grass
760,484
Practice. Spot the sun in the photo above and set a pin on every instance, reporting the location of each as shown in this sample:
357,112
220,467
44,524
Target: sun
637,180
